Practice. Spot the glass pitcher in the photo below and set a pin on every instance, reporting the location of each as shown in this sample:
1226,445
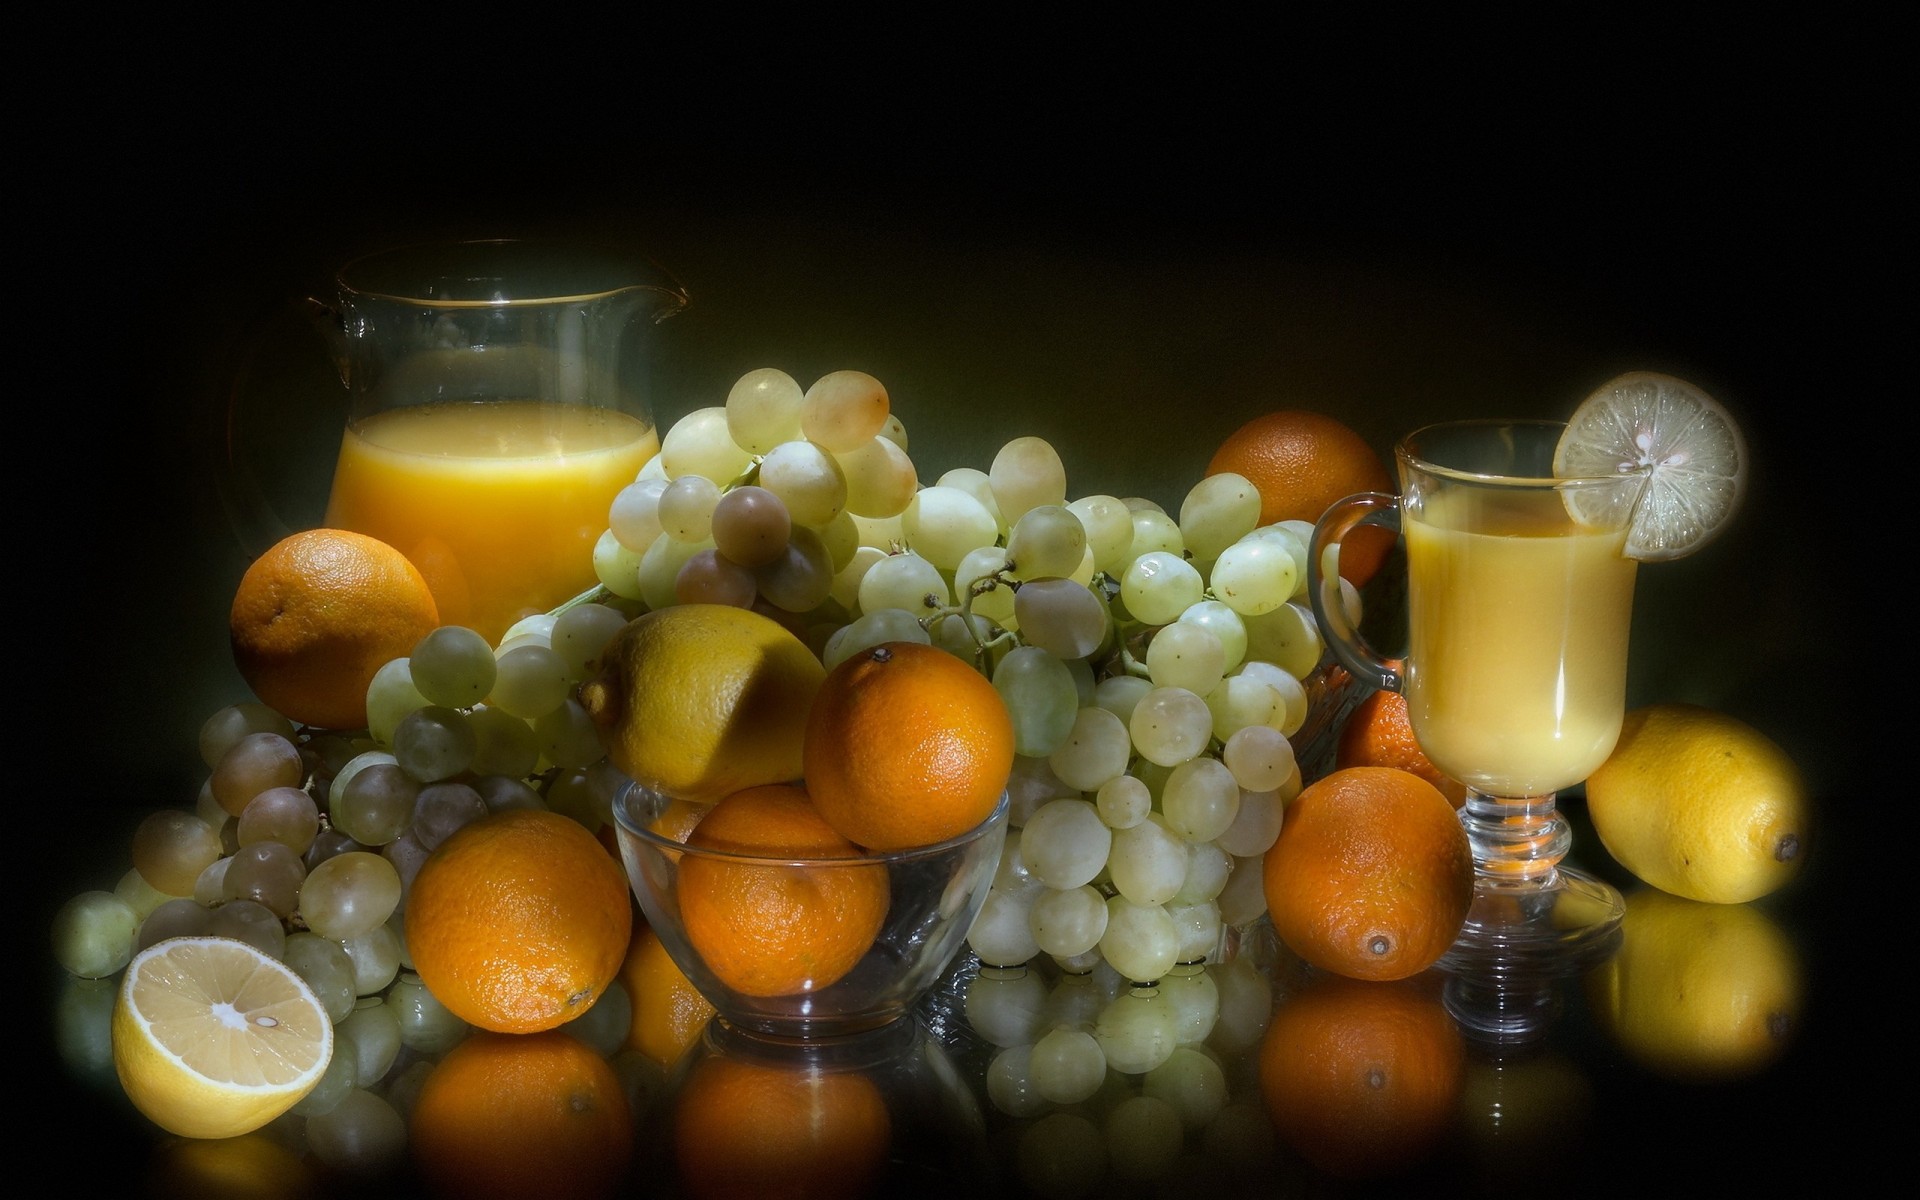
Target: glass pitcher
499,399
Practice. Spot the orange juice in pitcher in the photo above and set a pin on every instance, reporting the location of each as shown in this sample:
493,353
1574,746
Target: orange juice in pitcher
499,503
500,399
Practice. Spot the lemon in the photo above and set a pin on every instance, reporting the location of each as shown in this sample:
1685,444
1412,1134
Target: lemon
1701,804
701,700
213,1038
1698,992
1693,452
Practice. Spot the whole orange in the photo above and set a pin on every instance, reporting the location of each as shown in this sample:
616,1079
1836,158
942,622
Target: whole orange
1371,875
748,1128
1302,461
1378,734
1362,1078
777,928
519,921
508,1115
907,745
317,615
668,1011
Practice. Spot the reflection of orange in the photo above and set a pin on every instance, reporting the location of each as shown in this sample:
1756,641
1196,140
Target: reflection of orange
668,1011
753,1129
515,1114
1302,462
775,929
1378,734
1371,875
519,921
317,615
907,745
1362,1078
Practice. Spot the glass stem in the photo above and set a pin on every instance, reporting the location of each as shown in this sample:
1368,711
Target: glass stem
1515,839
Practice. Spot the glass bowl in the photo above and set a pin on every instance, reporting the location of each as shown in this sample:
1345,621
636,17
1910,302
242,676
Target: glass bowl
933,894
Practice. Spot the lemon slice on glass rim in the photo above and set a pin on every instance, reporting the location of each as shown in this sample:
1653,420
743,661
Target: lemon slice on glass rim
1694,454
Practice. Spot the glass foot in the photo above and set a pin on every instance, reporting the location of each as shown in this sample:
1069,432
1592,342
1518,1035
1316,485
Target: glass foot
1558,924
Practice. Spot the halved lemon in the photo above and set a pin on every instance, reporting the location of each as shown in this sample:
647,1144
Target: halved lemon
1694,454
213,1038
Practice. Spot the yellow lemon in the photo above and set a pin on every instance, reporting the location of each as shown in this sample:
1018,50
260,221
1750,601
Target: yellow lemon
213,1037
1701,804
1699,992
702,700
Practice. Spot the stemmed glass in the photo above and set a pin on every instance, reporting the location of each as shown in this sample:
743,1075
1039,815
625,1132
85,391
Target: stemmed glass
1519,601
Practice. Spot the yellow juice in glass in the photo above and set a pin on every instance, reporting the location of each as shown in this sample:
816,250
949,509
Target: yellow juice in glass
1517,658
499,503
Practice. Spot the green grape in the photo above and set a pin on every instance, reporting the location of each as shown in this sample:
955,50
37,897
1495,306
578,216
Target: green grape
254,763
1041,697
1292,692
660,569
324,965
453,667
426,1025
1060,616
581,635
1254,576
376,958
531,682
845,588
1200,927
1148,862
1065,844
1170,725
942,524
982,563
1095,750
139,895
617,567
1286,637
605,1023
1124,802
281,814
1217,512
763,410
871,629
435,743
701,443
350,895
339,1078
171,848
443,809
251,922
686,508
976,483
904,581
503,743
228,725
1155,532
1224,624
370,1035
881,479
808,481
267,872
390,697
1142,943
1160,585
1109,529
1047,541
1002,933
567,736
1026,474
844,410
1208,866
179,917
1195,999
1068,921
1200,799
93,934
1186,656
375,805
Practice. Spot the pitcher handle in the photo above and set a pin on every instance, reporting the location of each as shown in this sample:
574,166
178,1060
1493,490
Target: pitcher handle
1366,664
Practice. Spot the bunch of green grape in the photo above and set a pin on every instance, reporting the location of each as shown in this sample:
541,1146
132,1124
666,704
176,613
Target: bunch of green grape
1155,664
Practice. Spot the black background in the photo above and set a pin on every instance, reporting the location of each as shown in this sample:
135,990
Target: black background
1130,276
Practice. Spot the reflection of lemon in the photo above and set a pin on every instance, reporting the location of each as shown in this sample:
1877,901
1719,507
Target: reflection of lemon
1701,804
1698,991
701,700
250,1167
213,1038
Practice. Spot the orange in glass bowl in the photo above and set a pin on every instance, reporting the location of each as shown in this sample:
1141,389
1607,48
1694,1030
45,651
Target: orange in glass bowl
811,939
